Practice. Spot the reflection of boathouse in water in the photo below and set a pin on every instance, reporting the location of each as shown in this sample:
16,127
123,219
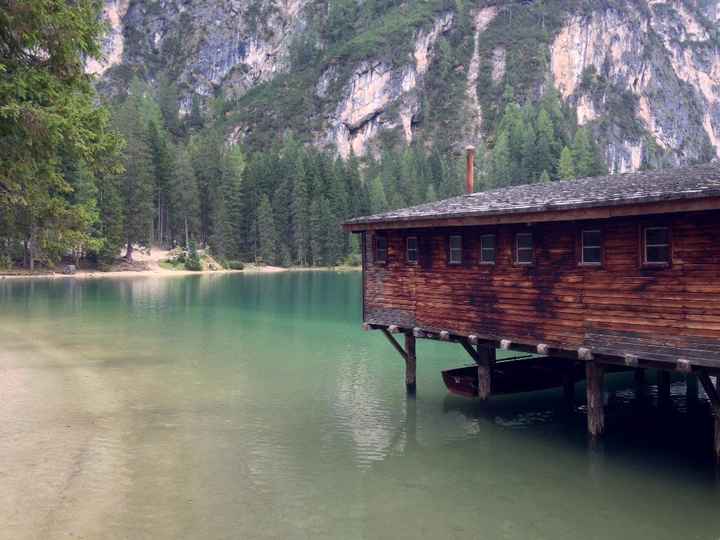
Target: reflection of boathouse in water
593,275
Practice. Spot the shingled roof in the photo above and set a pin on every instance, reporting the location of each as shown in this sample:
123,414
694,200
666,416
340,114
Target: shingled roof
680,184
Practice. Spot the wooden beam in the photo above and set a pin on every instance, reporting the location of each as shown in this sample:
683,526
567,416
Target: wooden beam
714,397
631,360
485,362
470,350
710,390
394,343
683,365
594,373
410,364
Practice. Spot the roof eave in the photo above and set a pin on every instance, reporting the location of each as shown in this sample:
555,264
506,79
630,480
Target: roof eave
689,203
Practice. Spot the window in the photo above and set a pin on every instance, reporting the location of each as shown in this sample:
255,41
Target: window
455,251
487,249
591,247
524,248
381,250
657,245
411,249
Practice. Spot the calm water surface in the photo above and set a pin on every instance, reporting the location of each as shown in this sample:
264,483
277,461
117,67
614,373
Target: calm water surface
255,407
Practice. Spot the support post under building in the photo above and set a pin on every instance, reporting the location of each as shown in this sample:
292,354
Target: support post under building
410,364
594,373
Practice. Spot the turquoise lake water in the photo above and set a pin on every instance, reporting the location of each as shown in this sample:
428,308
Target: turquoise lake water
254,406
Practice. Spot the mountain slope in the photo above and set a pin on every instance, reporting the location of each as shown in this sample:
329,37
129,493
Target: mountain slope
644,76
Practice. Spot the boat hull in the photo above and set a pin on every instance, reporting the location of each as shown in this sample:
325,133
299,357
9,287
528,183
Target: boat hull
515,376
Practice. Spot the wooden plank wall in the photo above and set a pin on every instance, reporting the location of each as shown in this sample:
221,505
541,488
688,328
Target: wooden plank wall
621,307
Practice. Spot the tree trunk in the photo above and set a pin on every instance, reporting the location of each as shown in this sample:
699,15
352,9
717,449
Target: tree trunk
129,253
187,235
26,253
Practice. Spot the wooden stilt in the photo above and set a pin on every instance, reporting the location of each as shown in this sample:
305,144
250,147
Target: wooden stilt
594,373
714,396
663,383
639,382
408,354
485,361
410,363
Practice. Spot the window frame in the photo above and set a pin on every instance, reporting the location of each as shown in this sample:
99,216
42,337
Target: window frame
581,247
494,249
450,250
377,249
644,246
516,249
408,260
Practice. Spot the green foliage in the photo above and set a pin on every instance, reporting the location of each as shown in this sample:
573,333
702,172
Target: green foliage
566,168
6,262
267,233
536,143
234,265
137,182
49,118
524,32
192,262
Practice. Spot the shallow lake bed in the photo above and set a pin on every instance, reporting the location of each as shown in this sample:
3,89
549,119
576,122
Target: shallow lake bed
253,406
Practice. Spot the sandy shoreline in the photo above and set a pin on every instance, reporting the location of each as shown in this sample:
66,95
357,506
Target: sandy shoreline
161,272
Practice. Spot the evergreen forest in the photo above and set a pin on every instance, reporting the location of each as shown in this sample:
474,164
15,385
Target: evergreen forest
87,178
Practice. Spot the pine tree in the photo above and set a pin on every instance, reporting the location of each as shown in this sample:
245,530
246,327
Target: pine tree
49,112
163,158
566,168
502,160
586,156
318,232
137,182
168,100
545,156
110,206
267,234
299,211
184,200
234,165
378,201
528,166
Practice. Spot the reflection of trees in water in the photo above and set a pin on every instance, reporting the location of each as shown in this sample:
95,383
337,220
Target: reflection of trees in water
362,413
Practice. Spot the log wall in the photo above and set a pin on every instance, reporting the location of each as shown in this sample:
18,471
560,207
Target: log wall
622,307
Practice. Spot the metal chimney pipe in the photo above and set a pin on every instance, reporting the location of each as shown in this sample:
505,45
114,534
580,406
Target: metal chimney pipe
470,177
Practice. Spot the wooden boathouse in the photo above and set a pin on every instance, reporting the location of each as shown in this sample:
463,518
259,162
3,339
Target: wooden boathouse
619,272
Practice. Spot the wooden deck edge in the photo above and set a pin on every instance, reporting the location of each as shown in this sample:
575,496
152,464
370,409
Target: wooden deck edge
584,353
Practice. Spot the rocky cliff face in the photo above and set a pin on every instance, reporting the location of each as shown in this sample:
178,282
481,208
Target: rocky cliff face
643,74
663,60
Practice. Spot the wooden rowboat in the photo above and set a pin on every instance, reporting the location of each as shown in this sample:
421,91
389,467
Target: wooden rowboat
515,376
